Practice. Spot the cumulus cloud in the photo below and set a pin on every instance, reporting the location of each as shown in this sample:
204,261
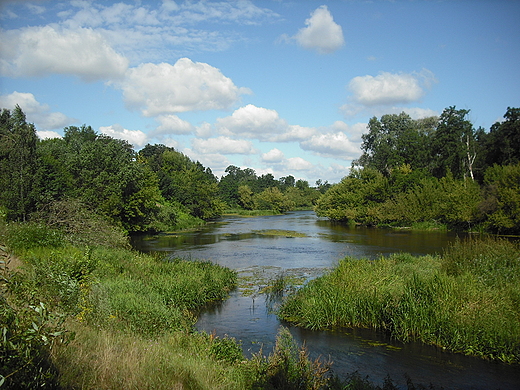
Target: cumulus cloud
336,145
273,156
321,32
40,51
37,113
158,89
47,134
223,145
134,137
261,123
390,88
298,164
172,124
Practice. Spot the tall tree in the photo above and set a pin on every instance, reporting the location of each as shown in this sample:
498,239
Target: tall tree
393,141
18,141
452,145
502,143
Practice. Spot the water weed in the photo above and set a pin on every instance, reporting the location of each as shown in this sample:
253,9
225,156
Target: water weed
466,301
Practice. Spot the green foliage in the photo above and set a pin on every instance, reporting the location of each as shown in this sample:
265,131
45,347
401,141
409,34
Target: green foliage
273,199
501,203
355,198
28,333
393,141
288,367
467,301
18,162
79,224
225,349
23,236
183,181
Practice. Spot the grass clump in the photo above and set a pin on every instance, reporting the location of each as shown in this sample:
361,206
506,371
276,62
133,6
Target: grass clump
280,233
466,301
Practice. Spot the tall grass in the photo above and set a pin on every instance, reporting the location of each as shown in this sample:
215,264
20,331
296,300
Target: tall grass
466,301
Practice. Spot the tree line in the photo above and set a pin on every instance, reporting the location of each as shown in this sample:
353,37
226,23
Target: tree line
156,188
436,170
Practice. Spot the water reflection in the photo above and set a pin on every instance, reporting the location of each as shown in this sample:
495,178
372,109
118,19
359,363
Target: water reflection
234,242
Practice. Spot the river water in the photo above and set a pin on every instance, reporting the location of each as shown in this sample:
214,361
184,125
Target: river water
242,244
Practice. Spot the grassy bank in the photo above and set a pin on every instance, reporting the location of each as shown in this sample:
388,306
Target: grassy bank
106,317
467,300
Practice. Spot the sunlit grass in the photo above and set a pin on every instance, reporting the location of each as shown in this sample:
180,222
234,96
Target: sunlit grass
466,301
279,233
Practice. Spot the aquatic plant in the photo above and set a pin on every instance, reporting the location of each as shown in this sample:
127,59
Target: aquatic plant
465,301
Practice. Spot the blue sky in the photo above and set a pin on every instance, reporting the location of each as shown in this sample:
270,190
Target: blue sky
283,87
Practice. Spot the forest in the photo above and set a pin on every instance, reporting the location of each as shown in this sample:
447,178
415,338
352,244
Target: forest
436,171
431,173
154,189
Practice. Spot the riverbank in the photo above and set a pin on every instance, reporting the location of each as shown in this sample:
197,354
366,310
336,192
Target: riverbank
464,301
97,317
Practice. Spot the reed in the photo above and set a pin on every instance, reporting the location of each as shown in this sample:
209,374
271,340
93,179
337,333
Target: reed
465,301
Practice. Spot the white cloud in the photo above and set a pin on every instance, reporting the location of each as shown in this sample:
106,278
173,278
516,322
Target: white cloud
135,137
298,164
47,134
252,122
142,31
322,33
41,51
261,123
172,124
390,88
216,161
36,113
273,156
184,86
336,145
205,130
417,112
354,132
223,145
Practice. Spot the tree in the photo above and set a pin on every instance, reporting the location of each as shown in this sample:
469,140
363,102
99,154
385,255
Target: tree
234,178
18,160
273,199
502,144
393,141
452,146
355,198
184,181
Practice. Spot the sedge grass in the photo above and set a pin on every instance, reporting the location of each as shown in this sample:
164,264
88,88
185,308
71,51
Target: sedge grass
465,301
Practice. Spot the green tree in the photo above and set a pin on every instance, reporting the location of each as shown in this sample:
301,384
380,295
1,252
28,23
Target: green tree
246,197
273,199
452,145
234,178
18,160
183,181
109,177
393,141
502,144
355,198
501,203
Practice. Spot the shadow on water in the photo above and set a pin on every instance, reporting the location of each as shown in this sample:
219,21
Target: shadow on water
235,242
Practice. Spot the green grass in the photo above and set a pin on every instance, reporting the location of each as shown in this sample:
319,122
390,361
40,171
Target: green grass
104,318
250,213
281,233
466,301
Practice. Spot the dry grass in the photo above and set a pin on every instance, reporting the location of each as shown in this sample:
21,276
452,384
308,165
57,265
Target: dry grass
99,359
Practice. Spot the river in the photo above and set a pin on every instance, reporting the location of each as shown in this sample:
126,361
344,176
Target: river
242,244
